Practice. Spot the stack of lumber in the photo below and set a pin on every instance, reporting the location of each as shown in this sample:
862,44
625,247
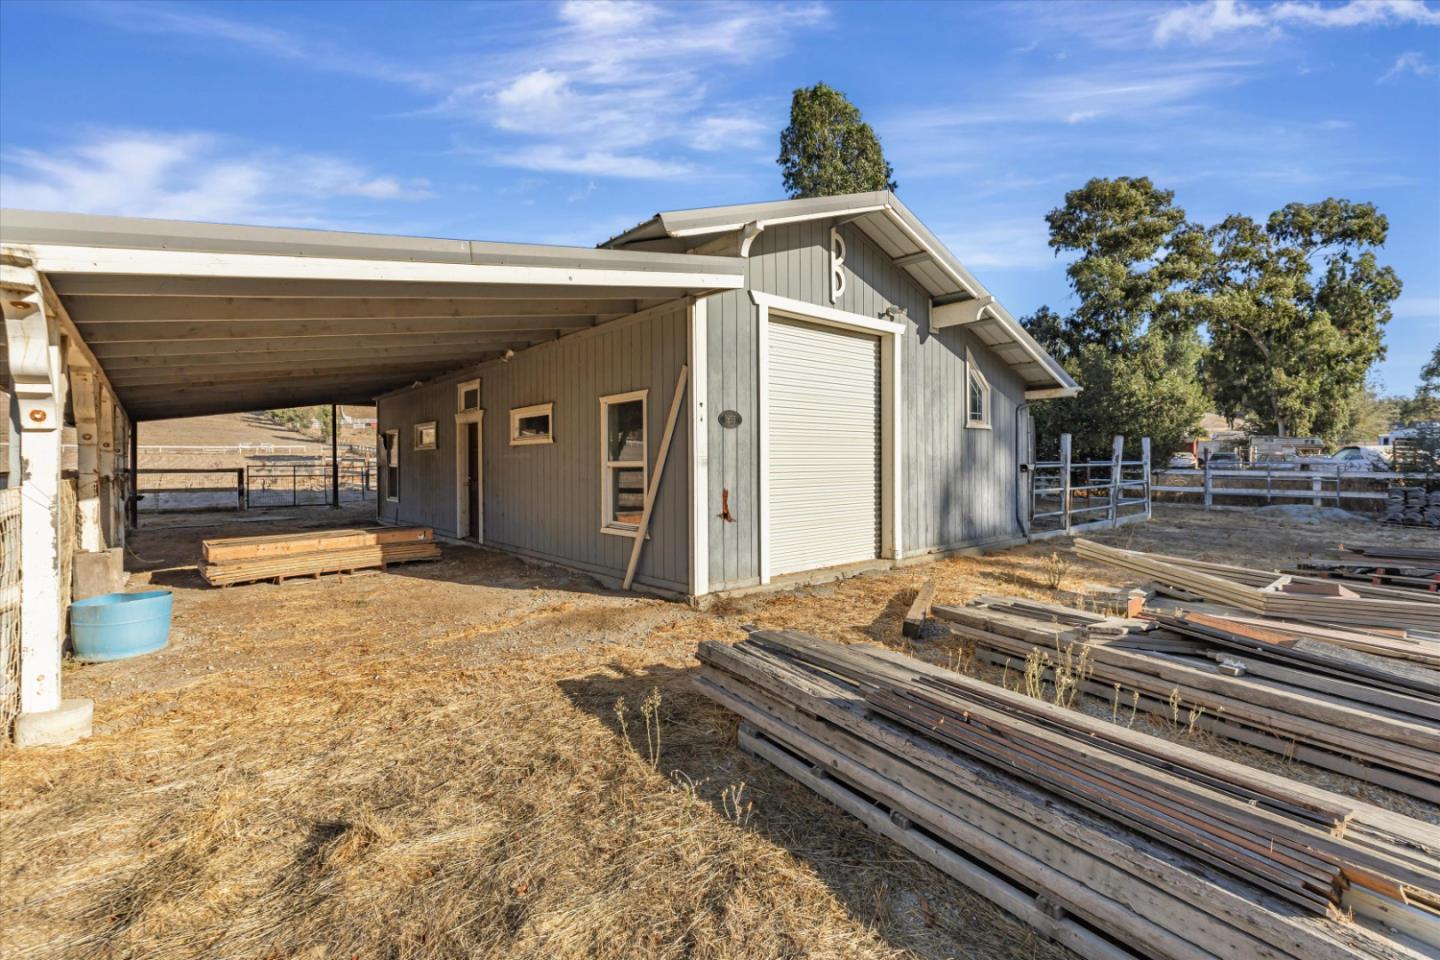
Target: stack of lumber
278,557
1283,596
1412,506
1116,844
1415,568
1373,718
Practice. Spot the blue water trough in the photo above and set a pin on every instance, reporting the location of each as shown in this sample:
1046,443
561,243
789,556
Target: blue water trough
115,626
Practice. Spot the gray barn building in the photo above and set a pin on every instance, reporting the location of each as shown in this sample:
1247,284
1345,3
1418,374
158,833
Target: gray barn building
862,398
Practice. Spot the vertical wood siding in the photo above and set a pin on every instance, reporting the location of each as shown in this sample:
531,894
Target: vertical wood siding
960,484
543,500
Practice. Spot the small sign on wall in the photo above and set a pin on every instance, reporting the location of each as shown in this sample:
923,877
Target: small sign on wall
730,419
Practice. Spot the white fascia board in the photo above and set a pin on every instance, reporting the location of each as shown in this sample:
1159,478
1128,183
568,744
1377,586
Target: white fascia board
804,310
62,259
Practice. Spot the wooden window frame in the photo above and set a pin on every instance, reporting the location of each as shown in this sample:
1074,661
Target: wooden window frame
460,389
973,374
419,429
608,524
534,410
392,462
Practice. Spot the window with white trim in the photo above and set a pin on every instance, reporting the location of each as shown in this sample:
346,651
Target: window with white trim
426,435
532,424
624,474
467,396
977,395
392,464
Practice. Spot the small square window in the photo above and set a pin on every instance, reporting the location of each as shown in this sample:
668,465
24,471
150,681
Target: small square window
467,396
533,424
977,395
625,473
425,436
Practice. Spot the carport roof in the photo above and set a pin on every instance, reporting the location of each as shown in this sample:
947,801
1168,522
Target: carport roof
187,318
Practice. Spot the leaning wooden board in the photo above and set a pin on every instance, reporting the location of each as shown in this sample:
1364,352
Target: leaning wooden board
233,549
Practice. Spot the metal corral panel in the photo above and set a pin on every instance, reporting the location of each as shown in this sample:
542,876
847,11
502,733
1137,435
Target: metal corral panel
824,463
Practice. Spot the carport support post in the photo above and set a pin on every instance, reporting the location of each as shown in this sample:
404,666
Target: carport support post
132,486
32,340
105,427
85,403
334,457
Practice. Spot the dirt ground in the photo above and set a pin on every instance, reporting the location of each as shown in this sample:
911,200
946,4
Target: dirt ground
483,757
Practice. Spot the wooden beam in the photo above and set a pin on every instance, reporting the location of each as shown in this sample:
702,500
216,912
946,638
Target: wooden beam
912,258
195,309
286,346
98,333
960,313
221,362
208,378
306,386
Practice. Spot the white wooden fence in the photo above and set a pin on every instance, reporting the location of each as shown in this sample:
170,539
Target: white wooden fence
1241,489
1069,496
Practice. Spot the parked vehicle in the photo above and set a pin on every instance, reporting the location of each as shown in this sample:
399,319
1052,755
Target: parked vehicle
1184,460
1225,459
1357,458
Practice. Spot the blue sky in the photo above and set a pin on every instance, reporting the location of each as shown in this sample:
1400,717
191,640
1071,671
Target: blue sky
567,122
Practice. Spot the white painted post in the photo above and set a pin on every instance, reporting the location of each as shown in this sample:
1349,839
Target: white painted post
85,404
1315,494
1145,462
1117,467
1065,480
1209,493
32,341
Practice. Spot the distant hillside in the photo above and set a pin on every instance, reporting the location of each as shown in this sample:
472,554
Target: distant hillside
246,428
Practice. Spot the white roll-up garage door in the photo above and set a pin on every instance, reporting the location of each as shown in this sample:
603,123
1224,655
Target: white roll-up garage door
823,415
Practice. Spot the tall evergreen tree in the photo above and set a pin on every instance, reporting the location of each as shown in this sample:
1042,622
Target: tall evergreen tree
828,149
1131,342
1295,311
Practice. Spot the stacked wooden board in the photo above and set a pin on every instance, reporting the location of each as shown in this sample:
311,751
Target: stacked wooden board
1390,565
1308,599
1371,717
1116,844
311,553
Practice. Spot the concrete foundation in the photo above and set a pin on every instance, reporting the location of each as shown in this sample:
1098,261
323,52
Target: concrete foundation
97,572
53,728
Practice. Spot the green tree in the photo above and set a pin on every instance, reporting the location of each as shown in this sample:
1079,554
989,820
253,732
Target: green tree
1131,342
1295,311
1424,407
828,149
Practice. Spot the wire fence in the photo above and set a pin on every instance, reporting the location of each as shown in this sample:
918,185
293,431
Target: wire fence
293,484
9,608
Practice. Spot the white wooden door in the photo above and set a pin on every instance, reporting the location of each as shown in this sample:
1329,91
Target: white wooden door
823,420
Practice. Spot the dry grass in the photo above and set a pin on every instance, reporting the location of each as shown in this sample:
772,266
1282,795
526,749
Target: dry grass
432,764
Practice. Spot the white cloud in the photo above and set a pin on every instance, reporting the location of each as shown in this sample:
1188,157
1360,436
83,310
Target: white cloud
1203,22
1411,61
600,90
722,132
620,89
998,243
189,176
1200,22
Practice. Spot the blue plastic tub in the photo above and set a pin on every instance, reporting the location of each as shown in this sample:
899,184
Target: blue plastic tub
114,626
